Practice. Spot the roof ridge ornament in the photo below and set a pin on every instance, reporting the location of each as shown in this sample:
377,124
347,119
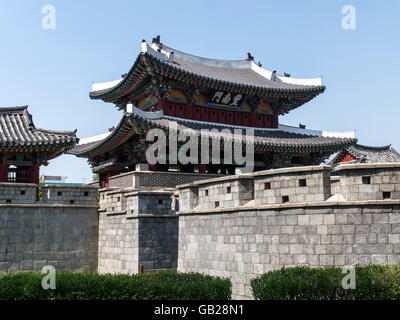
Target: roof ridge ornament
249,57
156,40
171,57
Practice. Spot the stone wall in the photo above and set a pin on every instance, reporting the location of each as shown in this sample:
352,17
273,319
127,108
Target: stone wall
137,227
369,181
313,216
118,244
304,184
18,193
48,232
243,243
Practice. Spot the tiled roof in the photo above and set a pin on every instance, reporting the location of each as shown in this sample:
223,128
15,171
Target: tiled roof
266,139
368,154
17,131
241,76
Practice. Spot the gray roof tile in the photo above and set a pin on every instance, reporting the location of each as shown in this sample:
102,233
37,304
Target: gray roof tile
17,130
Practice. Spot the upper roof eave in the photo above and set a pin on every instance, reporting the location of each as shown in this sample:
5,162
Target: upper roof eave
115,89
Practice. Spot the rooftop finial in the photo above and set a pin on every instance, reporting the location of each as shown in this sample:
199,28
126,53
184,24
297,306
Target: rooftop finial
259,64
249,57
171,57
156,40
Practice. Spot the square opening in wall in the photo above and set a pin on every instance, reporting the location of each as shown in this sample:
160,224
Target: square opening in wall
59,193
228,190
366,180
159,201
8,201
386,195
206,192
216,204
22,192
267,185
86,194
285,199
302,183
71,201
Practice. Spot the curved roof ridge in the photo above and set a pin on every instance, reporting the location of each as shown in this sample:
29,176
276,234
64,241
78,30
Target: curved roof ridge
238,64
60,132
378,148
221,63
17,109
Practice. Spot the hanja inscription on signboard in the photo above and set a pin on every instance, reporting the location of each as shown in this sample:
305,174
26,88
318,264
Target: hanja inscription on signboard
227,98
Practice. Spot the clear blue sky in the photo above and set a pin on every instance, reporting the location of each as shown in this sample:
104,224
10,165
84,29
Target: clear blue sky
95,41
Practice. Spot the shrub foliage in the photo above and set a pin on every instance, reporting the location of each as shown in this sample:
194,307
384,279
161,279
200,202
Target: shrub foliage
303,283
86,286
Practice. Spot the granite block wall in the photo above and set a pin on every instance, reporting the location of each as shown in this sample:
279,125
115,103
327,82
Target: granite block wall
60,194
241,244
48,232
142,231
302,184
158,243
369,181
126,242
18,192
118,244
225,192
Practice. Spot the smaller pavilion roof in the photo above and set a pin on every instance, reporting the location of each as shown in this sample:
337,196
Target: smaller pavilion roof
18,133
368,154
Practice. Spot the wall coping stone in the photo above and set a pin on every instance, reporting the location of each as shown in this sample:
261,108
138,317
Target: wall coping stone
15,184
56,186
117,190
305,205
246,176
45,205
147,215
358,166
149,192
116,213
291,170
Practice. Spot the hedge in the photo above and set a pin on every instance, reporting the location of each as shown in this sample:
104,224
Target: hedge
162,285
303,283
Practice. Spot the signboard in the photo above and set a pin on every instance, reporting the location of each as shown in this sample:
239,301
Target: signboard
227,98
54,178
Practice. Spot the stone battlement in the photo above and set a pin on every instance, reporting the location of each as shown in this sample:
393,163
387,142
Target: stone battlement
27,193
61,229
305,185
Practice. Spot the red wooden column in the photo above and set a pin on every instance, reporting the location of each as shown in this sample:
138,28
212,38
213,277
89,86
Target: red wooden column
3,172
202,168
34,173
103,180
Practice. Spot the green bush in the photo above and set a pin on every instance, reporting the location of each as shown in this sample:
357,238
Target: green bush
86,286
302,283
